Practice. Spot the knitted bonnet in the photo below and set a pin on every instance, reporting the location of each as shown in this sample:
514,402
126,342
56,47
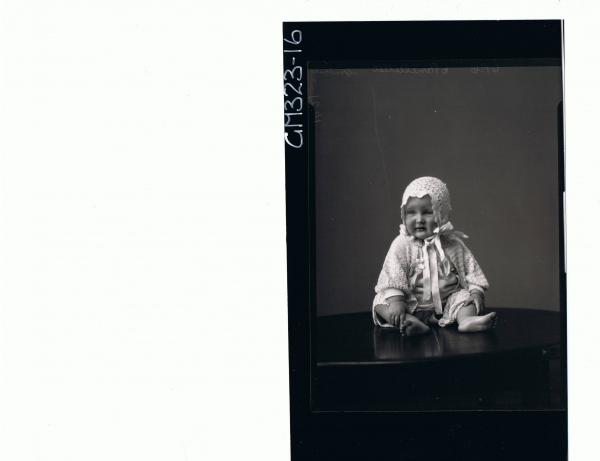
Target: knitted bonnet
436,190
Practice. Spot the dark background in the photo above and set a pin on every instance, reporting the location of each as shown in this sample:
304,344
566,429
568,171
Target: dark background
489,132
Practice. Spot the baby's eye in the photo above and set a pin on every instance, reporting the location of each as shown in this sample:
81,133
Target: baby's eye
428,212
410,211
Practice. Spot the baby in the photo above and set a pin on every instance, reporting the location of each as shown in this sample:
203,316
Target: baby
429,276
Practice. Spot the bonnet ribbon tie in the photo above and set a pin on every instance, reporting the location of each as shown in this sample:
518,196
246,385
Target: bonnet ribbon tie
430,259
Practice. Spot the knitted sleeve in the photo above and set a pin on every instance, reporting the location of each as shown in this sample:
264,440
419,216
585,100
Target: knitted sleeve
474,275
393,278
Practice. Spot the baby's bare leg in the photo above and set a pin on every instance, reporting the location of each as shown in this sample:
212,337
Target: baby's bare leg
413,326
469,321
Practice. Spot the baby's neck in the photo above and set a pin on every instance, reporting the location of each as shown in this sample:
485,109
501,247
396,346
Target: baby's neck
431,237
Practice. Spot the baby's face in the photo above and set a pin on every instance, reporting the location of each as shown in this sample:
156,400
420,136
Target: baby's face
418,217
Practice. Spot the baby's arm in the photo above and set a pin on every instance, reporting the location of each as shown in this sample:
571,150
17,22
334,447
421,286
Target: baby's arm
392,285
476,281
396,311
478,300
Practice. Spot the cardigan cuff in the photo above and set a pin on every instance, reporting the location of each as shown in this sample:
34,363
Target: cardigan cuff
476,288
388,293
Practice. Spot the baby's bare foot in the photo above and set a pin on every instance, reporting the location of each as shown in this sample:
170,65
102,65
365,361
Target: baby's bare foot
414,327
478,323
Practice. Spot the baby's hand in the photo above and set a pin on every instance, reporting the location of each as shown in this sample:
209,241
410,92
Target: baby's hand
477,299
397,313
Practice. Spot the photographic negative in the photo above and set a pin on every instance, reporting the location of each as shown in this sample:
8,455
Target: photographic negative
433,271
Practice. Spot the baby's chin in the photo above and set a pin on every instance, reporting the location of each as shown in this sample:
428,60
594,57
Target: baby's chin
421,234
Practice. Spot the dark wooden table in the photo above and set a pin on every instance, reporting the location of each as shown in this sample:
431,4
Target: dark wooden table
363,367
